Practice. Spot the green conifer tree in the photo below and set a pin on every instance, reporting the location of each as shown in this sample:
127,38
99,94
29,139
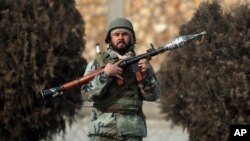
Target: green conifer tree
41,42
206,85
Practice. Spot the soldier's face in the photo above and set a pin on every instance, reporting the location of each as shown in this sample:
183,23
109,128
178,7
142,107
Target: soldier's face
120,41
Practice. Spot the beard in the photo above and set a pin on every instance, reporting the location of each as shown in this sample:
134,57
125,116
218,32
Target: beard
121,50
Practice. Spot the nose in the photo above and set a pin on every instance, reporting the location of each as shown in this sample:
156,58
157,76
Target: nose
120,36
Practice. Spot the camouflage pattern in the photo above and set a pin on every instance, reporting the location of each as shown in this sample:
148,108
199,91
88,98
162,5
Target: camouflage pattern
117,111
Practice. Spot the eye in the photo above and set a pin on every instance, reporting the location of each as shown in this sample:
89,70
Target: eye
115,34
125,34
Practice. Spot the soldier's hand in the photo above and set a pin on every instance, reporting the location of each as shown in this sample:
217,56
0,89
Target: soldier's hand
143,65
113,70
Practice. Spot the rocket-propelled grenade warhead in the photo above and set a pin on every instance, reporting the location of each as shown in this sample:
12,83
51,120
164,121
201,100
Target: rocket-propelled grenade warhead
176,43
182,40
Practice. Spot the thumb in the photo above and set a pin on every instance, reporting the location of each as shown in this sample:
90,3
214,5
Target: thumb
118,62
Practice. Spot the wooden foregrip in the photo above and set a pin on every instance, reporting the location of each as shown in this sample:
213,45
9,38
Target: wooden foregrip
82,80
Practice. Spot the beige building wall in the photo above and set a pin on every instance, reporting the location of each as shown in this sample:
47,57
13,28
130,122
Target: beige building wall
155,21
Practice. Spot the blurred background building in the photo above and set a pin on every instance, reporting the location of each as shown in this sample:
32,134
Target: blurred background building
155,22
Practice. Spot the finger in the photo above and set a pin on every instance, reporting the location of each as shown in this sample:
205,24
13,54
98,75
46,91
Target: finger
143,70
119,76
142,65
119,69
118,72
143,61
118,62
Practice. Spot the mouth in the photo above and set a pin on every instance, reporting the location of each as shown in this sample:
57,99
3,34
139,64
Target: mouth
121,42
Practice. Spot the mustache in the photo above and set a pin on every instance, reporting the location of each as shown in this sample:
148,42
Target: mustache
121,41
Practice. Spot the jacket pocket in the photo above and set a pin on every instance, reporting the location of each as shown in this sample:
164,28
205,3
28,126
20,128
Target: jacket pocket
102,123
131,125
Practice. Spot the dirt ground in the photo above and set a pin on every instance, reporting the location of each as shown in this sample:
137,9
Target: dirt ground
158,128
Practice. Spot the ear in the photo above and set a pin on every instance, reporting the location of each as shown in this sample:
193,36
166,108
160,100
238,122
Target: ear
109,39
108,45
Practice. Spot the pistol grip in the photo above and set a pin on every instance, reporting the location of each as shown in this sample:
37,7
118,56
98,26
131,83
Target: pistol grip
138,75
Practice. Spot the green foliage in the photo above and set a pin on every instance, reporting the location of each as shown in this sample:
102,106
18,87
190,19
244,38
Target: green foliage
40,47
206,85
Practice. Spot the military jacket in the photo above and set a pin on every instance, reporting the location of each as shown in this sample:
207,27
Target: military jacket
128,98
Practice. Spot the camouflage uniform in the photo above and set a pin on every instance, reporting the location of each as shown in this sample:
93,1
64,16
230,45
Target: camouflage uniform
117,111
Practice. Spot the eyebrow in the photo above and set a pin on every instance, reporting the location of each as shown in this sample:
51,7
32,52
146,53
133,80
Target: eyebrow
120,32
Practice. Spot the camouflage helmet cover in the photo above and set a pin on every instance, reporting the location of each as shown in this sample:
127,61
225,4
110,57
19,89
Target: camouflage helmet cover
120,23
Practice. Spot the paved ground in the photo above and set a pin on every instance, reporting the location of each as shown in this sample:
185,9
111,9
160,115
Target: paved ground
158,128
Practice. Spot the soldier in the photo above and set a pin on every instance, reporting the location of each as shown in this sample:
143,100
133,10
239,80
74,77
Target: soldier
118,93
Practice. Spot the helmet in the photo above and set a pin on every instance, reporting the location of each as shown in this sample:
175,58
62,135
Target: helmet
120,23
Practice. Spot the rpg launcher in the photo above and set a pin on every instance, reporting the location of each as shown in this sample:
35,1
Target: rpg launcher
176,43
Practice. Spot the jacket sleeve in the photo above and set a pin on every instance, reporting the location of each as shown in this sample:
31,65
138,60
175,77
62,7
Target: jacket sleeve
149,86
95,88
